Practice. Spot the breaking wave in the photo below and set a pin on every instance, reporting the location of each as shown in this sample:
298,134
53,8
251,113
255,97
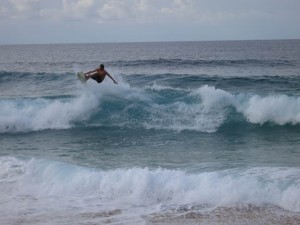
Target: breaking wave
41,178
203,109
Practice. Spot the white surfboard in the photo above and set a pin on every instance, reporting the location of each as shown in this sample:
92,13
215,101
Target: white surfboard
81,77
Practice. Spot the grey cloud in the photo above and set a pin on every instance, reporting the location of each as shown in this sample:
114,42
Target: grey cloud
126,11
147,20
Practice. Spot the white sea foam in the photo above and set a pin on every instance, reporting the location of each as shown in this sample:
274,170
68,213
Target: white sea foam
279,109
41,113
142,186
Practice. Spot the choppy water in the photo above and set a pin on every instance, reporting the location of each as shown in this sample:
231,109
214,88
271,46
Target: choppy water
194,133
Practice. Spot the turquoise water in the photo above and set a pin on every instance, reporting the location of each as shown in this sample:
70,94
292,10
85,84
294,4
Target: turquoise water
192,130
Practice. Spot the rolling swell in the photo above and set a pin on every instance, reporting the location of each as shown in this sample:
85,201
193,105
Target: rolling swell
173,79
38,76
28,84
209,63
202,109
150,62
254,84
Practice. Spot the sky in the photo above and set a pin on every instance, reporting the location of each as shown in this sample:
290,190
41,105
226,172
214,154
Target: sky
94,21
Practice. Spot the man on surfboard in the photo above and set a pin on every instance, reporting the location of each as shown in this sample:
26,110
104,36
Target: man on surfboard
98,75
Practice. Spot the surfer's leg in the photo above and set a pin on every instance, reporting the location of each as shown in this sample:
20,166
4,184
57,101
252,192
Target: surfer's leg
93,76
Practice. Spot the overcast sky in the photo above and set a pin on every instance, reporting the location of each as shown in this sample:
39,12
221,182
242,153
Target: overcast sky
73,21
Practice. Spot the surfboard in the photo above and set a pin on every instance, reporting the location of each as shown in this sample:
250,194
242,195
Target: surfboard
81,77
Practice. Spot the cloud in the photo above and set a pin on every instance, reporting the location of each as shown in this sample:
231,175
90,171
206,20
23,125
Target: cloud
111,11
23,5
114,11
146,20
18,9
180,9
135,11
79,7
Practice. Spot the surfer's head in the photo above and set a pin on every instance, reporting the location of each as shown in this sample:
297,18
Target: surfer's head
102,67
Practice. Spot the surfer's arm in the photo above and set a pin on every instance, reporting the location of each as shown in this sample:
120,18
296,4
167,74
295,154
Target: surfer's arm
111,78
92,71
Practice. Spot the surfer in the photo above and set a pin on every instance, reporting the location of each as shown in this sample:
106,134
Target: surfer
98,75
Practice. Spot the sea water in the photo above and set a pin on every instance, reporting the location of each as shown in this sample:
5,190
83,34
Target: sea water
194,133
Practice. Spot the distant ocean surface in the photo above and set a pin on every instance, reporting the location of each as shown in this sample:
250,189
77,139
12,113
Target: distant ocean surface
194,133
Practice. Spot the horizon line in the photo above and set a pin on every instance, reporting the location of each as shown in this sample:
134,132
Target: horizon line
128,42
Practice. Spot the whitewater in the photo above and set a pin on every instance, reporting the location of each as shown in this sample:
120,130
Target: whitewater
194,133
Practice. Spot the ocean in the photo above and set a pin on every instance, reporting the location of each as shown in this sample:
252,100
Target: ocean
193,133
